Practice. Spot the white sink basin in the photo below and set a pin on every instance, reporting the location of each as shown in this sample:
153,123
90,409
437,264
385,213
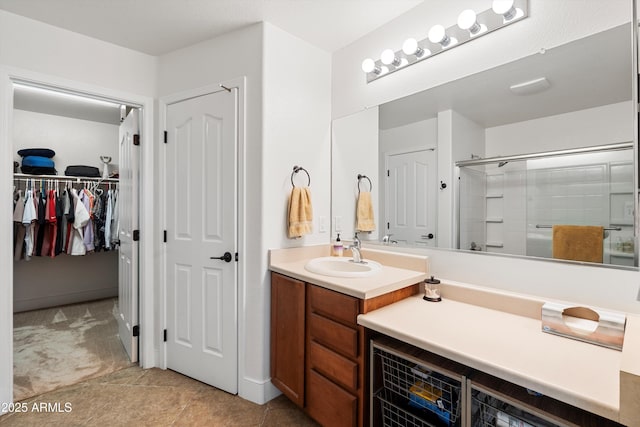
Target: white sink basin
342,267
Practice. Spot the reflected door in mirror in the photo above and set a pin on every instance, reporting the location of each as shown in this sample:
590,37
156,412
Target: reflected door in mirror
411,197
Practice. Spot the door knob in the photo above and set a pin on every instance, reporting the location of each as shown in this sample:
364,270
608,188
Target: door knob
428,236
226,257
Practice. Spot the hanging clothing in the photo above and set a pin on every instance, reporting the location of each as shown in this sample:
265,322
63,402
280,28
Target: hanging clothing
99,219
19,229
107,220
52,224
81,217
41,221
115,222
28,218
87,230
60,225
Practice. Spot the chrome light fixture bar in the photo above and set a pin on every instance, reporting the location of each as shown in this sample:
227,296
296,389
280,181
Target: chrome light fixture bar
470,26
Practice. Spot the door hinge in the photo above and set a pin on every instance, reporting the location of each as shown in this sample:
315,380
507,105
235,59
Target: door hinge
388,172
136,235
388,226
164,335
136,139
166,136
136,331
165,236
236,256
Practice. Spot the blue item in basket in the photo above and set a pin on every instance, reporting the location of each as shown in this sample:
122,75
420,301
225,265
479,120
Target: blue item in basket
424,396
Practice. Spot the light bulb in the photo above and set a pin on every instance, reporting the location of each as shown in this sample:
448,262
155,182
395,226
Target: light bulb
410,47
369,66
388,57
438,35
506,9
468,20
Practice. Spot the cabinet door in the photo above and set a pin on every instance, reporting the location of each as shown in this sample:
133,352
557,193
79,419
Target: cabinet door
287,336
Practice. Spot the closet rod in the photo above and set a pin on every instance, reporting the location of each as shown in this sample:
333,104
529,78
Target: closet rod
64,178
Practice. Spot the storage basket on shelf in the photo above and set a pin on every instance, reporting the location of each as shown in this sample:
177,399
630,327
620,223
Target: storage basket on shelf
489,411
414,395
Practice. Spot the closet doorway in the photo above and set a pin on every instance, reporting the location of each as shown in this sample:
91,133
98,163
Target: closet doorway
76,297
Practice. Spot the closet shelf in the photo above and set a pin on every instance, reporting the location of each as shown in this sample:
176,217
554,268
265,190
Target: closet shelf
494,196
64,177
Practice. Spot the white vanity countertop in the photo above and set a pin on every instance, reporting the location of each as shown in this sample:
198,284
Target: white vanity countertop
509,346
398,271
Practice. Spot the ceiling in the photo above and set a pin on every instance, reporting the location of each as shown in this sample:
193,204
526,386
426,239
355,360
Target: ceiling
157,27
586,73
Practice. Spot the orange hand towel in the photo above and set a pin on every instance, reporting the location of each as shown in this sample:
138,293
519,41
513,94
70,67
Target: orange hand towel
578,242
300,212
364,212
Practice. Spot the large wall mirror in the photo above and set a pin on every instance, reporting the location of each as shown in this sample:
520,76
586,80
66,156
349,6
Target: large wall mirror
527,148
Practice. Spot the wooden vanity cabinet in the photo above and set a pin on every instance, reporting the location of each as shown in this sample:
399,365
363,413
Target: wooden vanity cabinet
319,354
288,336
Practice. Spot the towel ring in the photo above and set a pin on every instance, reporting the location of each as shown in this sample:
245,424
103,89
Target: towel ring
360,177
297,169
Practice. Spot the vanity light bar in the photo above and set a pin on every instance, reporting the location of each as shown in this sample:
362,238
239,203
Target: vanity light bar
440,39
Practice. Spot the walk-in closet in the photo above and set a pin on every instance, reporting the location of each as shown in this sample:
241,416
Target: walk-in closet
75,252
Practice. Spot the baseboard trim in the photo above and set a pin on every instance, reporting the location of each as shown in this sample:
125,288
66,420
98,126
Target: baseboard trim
64,299
257,391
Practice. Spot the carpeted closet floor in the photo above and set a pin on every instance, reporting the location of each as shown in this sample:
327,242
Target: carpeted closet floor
57,347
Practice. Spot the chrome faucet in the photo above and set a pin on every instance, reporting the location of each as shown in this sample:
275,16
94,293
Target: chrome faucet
386,237
355,250
357,257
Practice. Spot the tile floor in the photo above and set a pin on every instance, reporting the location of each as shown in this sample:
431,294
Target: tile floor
153,397
60,346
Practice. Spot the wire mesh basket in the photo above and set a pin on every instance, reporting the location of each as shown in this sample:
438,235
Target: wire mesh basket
427,391
488,411
396,413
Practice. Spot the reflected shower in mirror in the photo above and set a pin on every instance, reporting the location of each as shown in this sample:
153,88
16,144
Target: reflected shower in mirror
523,205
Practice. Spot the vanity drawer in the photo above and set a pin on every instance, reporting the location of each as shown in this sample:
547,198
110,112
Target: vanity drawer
333,305
335,335
333,366
329,404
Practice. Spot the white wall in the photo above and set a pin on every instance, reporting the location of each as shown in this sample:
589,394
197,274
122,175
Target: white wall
468,138
296,131
75,141
46,53
608,124
550,23
354,151
33,45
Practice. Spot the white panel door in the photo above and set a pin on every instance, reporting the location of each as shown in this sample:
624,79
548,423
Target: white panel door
411,197
201,211
128,219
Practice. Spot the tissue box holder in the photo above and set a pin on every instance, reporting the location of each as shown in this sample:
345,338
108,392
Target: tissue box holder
595,326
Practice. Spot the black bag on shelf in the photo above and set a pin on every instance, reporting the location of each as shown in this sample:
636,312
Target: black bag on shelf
81,170
41,152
